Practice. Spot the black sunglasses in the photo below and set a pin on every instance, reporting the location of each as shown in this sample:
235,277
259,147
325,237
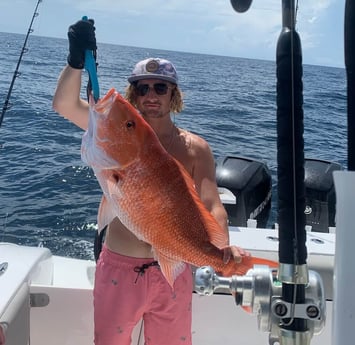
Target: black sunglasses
159,88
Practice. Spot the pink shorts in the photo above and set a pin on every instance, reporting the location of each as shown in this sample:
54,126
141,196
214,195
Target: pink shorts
122,296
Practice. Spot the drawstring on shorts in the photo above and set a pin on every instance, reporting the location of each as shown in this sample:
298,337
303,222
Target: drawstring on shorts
141,269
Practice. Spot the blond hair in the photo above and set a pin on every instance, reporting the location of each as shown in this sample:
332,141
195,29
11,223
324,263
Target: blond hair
176,102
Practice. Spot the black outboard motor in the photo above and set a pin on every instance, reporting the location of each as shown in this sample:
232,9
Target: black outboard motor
320,194
250,182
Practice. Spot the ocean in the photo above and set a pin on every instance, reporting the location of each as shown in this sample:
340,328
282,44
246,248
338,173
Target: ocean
49,197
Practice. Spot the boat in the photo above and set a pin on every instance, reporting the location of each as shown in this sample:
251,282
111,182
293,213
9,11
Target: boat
47,299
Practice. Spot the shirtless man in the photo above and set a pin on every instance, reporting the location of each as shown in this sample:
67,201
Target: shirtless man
128,282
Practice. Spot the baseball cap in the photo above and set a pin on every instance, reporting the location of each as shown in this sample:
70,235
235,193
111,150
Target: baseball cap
154,68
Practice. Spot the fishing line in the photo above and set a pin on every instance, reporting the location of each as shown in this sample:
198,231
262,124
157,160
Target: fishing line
7,104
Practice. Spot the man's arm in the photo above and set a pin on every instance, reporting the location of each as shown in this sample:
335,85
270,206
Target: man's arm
67,101
205,182
205,179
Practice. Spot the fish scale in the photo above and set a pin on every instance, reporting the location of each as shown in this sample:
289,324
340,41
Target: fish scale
151,192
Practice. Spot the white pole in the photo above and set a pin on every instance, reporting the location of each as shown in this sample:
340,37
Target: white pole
344,267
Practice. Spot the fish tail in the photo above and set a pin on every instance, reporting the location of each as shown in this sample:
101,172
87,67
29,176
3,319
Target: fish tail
248,262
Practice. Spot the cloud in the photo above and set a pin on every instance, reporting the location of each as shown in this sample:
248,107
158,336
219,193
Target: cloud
204,26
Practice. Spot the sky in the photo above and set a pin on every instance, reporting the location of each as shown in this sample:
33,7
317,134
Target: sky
198,26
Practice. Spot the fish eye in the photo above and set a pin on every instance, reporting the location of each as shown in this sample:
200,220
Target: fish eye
130,124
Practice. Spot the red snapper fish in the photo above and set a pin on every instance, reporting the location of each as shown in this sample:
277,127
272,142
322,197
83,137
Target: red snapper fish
151,192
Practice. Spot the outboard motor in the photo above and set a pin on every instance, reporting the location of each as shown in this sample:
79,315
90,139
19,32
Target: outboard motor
250,182
320,194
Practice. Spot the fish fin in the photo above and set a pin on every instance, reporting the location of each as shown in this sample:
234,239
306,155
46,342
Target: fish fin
218,237
112,181
261,261
105,214
171,269
248,262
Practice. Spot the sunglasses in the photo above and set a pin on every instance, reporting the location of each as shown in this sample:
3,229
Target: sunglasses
159,88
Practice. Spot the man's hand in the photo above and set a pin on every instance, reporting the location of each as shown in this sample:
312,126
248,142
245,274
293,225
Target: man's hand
236,252
81,36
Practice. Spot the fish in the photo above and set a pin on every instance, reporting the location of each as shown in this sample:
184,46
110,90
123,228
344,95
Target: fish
151,192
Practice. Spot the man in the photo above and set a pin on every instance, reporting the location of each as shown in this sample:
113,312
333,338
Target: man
128,282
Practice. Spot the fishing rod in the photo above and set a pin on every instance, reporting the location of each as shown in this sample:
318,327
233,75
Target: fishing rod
293,309
90,66
241,5
293,272
7,104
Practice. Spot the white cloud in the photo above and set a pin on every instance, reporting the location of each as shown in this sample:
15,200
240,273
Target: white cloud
205,26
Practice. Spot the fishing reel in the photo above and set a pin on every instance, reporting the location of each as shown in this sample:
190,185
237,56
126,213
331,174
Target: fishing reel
259,292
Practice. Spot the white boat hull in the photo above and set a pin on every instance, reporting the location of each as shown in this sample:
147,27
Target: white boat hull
60,291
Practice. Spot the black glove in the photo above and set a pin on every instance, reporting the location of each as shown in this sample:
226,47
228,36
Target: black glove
81,36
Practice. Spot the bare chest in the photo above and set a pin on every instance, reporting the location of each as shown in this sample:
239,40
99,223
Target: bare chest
182,151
